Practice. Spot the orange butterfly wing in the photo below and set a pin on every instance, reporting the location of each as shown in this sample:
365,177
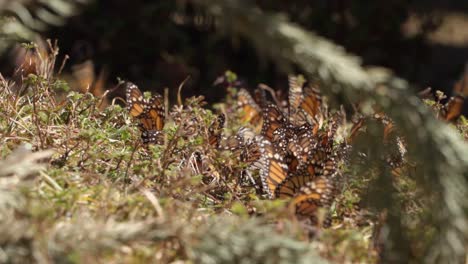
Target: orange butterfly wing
251,111
272,120
305,104
273,170
215,130
295,94
293,183
155,113
312,101
135,101
314,195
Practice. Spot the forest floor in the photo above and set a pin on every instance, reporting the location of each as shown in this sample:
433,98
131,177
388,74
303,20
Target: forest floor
77,185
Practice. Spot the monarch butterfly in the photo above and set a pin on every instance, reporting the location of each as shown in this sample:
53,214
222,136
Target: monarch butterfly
315,194
395,148
318,157
293,144
239,140
291,161
215,130
312,101
247,142
302,142
321,162
150,113
251,152
311,186
293,183
295,98
295,93
251,111
273,170
304,103
232,143
273,119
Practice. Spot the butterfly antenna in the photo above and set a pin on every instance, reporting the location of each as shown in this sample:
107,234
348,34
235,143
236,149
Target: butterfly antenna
117,98
179,97
271,91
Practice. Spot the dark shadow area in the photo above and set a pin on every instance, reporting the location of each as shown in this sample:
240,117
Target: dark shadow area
158,44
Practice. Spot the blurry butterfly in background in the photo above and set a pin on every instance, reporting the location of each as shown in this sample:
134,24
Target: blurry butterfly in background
251,112
316,194
305,103
86,79
295,96
312,101
232,143
149,112
251,153
317,162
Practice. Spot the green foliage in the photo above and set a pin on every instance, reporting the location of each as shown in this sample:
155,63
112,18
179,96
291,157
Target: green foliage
77,185
235,241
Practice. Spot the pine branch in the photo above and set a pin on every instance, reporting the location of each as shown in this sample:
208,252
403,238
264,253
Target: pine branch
22,20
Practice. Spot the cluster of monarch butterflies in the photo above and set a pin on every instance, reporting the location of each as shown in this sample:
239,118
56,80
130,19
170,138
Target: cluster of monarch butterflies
292,145
296,156
293,158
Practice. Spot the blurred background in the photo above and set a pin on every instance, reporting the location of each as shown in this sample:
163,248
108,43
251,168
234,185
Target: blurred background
157,44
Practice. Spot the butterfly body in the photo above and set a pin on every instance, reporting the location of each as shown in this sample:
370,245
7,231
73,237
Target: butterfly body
273,119
215,130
